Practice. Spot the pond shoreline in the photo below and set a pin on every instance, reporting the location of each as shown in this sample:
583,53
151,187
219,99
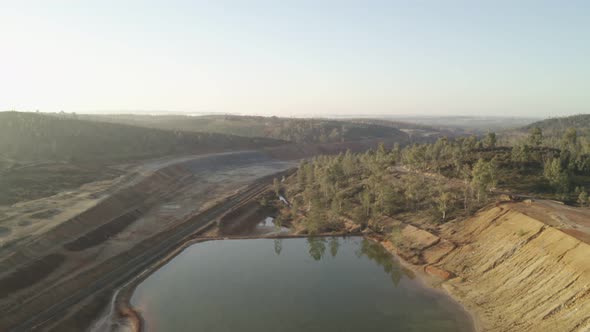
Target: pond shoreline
427,280
124,315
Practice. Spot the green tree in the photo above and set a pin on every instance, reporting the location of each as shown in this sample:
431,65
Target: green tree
316,218
334,135
443,204
583,198
569,139
276,185
358,216
349,165
490,140
396,152
470,143
414,190
336,204
558,176
381,154
465,174
388,199
493,172
301,175
536,137
521,153
483,177
366,202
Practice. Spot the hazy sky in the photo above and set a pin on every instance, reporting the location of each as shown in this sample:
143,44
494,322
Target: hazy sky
282,57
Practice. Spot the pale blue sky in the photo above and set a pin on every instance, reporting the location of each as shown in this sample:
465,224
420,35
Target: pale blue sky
519,57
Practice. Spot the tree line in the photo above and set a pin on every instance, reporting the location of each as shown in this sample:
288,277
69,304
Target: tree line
447,179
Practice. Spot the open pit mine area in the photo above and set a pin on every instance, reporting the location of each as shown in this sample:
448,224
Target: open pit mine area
64,255
128,224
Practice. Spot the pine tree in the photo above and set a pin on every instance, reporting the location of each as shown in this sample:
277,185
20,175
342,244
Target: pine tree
366,201
583,198
558,176
483,177
490,140
276,185
536,137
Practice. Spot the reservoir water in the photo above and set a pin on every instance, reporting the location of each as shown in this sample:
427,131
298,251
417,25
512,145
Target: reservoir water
298,284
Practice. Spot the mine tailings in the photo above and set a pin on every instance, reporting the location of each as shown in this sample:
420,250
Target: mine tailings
513,272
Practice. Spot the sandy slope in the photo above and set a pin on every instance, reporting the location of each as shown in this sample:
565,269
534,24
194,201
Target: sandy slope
518,273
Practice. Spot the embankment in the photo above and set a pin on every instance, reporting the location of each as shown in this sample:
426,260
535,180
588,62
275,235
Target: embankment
514,272
243,219
521,274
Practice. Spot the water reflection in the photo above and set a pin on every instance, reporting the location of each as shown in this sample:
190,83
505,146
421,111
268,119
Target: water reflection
334,245
278,246
317,247
369,249
375,252
245,285
266,226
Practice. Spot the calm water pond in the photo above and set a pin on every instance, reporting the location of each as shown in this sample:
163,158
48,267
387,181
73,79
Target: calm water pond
314,284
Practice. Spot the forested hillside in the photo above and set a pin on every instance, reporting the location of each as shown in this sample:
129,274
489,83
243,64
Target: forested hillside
557,131
433,183
288,129
33,137
556,126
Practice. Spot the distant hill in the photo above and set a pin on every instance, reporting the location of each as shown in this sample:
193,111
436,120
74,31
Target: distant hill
34,137
558,126
414,130
554,129
43,154
288,129
467,124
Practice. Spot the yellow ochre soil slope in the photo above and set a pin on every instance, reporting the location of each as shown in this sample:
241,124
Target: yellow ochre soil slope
516,273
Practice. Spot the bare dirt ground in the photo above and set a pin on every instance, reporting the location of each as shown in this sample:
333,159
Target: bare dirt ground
508,265
68,235
517,272
27,220
23,222
574,221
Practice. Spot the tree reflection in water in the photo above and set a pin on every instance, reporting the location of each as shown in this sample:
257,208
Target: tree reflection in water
375,252
317,247
334,245
372,250
278,246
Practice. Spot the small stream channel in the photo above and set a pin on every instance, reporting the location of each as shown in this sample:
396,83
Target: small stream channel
296,284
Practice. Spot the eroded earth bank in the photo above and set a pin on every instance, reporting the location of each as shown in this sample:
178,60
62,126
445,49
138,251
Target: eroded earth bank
519,273
514,272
